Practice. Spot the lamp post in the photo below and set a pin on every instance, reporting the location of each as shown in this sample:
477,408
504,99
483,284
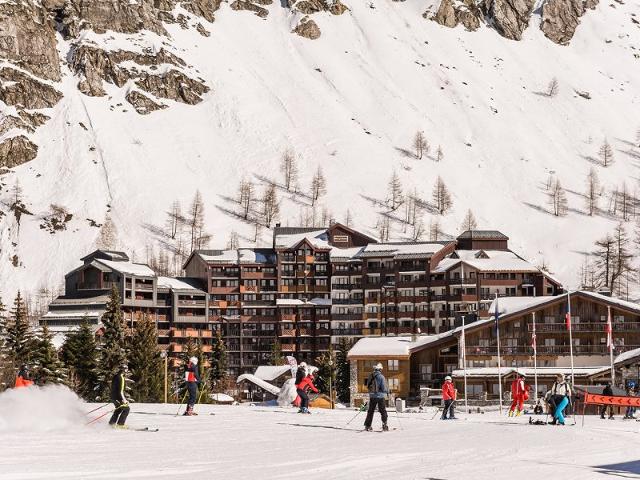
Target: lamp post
163,355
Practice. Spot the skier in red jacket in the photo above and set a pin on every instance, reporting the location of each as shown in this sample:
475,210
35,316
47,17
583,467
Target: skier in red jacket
518,391
302,387
449,396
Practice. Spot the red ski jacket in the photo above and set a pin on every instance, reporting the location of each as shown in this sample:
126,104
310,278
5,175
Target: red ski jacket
307,382
448,391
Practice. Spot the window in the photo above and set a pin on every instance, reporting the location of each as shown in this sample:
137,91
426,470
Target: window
425,372
483,342
341,238
450,367
393,365
549,342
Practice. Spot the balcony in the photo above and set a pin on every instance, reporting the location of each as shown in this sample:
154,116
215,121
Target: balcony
288,317
248,288
347,317
288,332
347,301
371,331
305,331
191,303
412,283
285,347
176,348
347,331
191,319
322,332
599,327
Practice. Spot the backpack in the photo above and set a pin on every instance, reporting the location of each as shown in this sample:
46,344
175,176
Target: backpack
372,383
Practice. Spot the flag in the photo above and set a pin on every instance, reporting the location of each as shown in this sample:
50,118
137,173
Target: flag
609,331
567,318
533,340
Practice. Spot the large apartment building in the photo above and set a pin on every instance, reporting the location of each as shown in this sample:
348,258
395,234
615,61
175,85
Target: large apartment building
309,289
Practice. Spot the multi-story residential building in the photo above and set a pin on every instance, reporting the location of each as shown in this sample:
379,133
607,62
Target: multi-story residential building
311,288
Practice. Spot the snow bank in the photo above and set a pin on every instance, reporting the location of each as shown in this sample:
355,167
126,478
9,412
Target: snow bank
287,393
40,409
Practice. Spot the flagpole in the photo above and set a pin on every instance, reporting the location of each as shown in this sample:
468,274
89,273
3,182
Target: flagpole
535,360
464,364
610,342
570,336
499,362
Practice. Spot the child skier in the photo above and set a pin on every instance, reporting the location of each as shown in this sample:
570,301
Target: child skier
560,398
23,378
518,391
449,397
119,400
192,378
305,384
378,391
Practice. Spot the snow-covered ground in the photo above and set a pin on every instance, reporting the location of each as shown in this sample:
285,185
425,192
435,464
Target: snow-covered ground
245,442
350,102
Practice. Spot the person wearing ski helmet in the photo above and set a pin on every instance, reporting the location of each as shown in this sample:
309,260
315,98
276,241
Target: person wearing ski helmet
23,379
192,378
449,397
306,384
301,383
378,391
119,399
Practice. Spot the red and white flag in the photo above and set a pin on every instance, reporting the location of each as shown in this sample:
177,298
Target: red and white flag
609,331
567,319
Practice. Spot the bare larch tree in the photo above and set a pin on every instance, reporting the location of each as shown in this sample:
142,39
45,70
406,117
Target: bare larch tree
246,197
420,144
270,204
441,197
606,153
469,222
289,169
395,191
558,199
553,88
318,185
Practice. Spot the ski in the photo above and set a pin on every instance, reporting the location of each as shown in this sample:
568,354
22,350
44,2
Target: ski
145,429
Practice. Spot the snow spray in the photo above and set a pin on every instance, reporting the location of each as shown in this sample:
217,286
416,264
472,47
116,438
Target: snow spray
40,409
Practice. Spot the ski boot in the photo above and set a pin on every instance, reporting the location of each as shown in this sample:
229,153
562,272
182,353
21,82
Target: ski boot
385,427
306,410
117,426
511,413
518,413
368,429
189,412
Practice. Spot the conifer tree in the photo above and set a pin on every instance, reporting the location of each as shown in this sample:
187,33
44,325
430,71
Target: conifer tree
326,371
145,362
112,344
80,356
19,340
343,371
276,354
6,370
218,373
48,367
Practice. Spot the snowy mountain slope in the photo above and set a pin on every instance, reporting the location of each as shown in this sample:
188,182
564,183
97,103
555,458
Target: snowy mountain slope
348,101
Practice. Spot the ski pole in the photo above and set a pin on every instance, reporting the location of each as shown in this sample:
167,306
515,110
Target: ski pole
182,403
200,396
98,418
437,410
96,409
360,410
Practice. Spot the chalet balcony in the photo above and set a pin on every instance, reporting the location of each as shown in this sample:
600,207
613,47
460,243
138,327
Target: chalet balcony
347,301
288,317
547,350
191,303
191,319
346,317
347,331
412,283
413,299
322,332
371,331
256,348
258,333
287,347
305,331
147,287
248,288
599,327
288,332
225,274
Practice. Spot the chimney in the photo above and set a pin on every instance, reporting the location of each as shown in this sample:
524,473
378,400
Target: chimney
274,235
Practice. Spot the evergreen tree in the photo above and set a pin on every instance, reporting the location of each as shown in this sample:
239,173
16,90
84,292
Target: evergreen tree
343,371
112,344
276,353
145,363
80,356
326,371
218,373
48,367
19,340
6,370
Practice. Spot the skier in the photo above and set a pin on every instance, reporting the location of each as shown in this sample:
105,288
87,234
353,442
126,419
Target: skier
608,391
192,377
22,379
378,391
518,391
305,383
119,400
630,411
560,398
449,397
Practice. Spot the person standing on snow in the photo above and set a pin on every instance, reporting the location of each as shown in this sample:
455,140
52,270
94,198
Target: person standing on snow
118,399
305,383
449,397
560,398
607,391
518,391
192,378
378,391
23,378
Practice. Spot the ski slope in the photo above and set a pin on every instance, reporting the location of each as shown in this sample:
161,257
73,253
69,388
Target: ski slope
350,102
245,442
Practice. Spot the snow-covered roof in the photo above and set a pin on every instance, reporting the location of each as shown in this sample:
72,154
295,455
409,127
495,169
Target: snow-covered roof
219,256
530,372
129,268
256,255
176,284
635,307
271,372
390,346
295,302
509,305
626,356
487,260
259,382
345,253
73,314
316,238
413,249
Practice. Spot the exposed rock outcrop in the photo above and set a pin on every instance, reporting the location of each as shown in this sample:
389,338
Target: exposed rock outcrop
450,14
446,14
560,18
173,85
22,91
244,5
307,28
15,151
202,8
309,7
509,17
143,104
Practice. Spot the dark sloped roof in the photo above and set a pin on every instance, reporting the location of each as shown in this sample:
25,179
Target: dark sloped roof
113,255
483,235
295,230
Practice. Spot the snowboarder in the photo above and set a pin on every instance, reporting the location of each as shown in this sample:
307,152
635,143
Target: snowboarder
608,391
23,378
518,391
378,391
119,400
560,398
305,384
192,378
449,397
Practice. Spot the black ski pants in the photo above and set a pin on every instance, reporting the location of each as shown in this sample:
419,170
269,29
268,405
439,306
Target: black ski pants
120,414
192,387
448,409
373,404
304,398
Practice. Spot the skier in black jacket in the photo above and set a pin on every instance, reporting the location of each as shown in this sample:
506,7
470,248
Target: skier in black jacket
192,377
608,391
118,398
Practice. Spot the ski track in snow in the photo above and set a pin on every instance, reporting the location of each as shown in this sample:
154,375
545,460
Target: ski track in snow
475,94
244,442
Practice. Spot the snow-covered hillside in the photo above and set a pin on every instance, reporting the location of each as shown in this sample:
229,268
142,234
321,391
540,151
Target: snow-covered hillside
351,102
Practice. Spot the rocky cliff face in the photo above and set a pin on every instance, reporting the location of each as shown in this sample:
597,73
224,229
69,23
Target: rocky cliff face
560,18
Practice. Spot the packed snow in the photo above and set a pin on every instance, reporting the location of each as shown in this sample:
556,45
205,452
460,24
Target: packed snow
350,102
248,442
